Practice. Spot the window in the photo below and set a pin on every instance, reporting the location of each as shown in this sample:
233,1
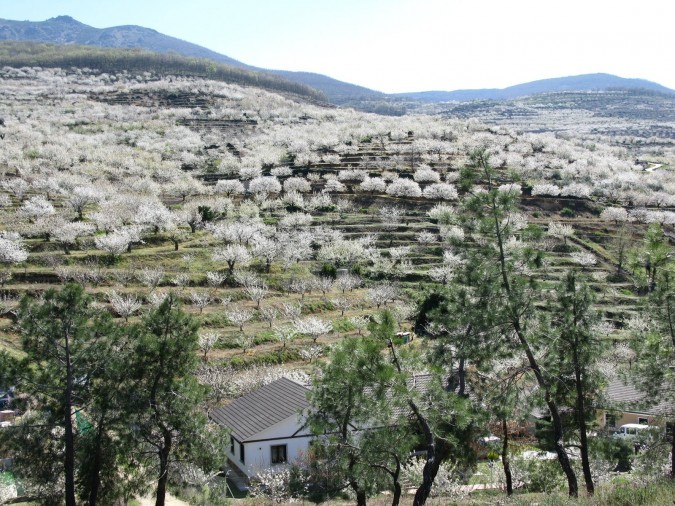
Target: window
242,455
669,429
610,420
643,421
232,445
278,454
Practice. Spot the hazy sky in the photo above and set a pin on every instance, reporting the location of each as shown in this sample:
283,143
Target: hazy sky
406,45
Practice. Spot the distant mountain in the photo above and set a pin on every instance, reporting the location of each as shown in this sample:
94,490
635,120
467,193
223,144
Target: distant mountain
66,30
338,91
584,82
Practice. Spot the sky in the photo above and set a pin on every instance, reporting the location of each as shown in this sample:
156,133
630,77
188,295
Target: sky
406,45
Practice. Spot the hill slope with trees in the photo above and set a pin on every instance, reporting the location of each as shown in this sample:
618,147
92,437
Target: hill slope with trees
256,234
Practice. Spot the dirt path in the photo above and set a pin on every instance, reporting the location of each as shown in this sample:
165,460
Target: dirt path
170,501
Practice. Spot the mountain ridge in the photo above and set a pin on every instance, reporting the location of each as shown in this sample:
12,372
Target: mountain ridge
67,30
582,82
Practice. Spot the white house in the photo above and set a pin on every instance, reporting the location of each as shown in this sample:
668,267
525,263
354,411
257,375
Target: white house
266,426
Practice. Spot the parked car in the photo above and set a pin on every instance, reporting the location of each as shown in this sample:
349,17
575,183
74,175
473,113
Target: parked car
631,430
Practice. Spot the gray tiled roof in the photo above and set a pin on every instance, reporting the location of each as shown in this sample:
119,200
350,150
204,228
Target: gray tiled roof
631,399
251,414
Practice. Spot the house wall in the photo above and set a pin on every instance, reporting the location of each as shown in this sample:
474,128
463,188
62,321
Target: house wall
258,453
623,418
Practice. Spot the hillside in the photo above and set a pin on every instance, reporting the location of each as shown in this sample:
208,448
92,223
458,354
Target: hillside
64,30
329,186
284,229
28,54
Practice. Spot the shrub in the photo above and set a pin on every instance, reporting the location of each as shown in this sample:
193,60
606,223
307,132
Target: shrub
567,212
328,271
343,325
271,358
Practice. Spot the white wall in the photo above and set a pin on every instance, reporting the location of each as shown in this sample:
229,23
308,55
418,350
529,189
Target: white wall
258,455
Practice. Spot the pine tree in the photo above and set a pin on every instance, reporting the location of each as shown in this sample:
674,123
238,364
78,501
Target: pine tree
167,400
67,343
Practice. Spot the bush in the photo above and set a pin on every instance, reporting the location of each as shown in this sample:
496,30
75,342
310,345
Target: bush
266,336
212,320
567,212
271,358
343,325
328,271
317,307
538,475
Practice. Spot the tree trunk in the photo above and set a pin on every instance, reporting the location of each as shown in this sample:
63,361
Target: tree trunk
163,469
360,498
563,458
95,472
396,499
581,424
435,456
69,457
672,450
505,458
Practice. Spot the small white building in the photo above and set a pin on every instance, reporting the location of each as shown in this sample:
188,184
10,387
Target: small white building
266,426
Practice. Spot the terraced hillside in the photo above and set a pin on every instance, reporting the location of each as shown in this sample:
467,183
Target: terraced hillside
281,224
640,121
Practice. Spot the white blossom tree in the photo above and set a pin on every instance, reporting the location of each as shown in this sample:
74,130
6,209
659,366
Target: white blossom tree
312,352
229,187
256,293
560,230
382,294
151,276
239,316
440,191
12,249
66,234
215,279
404,188
297,184
124,305
615,214
207,341
291,311
264,185
584,258
425,174
373,185
82,196
285,335
268,314
200,299
313,327
348,282
36,207
342,304
233,255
